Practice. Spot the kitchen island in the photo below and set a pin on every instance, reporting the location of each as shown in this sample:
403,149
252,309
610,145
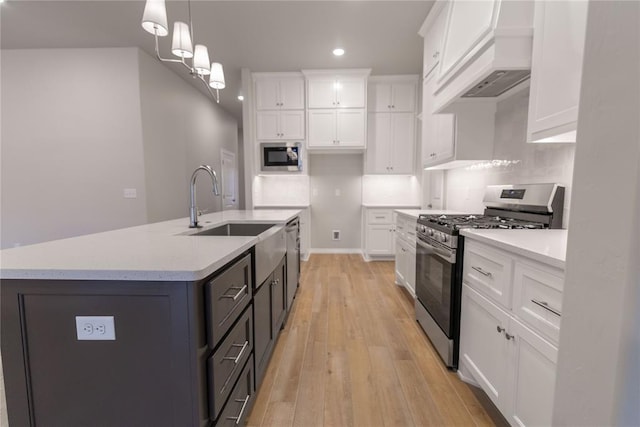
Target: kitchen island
148,325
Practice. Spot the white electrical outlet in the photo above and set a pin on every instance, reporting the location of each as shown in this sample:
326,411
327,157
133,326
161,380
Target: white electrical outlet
130,193
95,328
338,192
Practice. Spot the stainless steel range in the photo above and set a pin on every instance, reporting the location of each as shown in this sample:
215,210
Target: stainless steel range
439,250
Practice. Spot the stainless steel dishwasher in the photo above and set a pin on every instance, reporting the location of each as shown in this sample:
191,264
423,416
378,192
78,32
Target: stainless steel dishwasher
293,259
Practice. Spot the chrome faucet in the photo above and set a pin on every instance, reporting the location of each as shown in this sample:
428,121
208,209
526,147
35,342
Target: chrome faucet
193,209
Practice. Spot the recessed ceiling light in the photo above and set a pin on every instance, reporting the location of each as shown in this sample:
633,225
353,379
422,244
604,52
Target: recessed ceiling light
240,98
338,51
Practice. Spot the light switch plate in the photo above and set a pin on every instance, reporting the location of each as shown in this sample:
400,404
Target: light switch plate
95,328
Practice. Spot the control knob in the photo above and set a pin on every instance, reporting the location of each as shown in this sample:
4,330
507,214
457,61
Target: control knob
431,233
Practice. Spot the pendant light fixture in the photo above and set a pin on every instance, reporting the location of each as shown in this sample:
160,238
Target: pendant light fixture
154,21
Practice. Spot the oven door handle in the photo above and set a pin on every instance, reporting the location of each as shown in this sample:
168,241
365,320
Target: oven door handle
445,255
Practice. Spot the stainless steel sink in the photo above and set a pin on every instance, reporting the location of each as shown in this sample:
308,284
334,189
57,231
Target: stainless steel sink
237,229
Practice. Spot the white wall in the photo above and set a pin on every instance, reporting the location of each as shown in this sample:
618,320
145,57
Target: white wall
71,142
598,380
391,190
536,163
83,124
328,173
182,129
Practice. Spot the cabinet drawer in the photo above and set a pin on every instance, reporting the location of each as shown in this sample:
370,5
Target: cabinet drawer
226,296
488,271
379,216
537,298
225,365
238,407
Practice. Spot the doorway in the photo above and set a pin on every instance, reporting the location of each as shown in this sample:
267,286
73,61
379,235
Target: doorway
229,172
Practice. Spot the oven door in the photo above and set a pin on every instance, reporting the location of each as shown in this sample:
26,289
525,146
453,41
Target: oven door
435,276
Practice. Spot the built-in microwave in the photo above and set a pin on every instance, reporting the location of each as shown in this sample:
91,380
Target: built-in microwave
281,156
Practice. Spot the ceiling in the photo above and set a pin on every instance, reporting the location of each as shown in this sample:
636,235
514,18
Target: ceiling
259,35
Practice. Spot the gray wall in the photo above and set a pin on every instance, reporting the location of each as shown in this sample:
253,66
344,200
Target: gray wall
70,143
81,125
330,212
182,129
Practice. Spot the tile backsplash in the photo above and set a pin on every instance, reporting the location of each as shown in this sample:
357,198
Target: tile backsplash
523,163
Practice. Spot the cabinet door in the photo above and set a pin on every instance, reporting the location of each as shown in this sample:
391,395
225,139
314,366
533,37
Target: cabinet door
267,125
401,262
380,240
379,97
469,22
410,278
350,93
484,351
263,335
267,94
433,42
533,377
292,124
322,128
403,97
402,152
556,72
379,143
350,127
278,298
322,93
292,93
438,130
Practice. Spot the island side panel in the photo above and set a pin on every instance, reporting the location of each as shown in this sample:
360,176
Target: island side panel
53,378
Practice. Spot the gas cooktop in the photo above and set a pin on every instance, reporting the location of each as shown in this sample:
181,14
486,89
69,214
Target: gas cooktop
456,222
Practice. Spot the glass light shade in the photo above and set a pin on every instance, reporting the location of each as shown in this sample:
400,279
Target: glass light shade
201,60
154,18
216,80
181,45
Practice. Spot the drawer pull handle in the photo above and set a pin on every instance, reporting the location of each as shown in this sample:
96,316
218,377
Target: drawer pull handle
244,405
239,356
236,296
546,306
481,271
380,217
509,336
500,330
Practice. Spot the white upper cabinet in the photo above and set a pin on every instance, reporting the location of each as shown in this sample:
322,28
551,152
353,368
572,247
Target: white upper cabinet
558,47
337,93
433,33
279,93
453,140
469,23
280,125
336,109
391,143
398,97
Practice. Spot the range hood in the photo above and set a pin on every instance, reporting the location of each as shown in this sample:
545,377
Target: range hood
494,64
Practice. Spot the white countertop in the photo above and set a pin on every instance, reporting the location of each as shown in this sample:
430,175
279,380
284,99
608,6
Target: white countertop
283,206
415,213
152,252
380,205
547,246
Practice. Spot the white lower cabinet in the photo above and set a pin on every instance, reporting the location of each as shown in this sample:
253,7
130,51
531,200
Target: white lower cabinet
406,265
380,239
509,330
515,366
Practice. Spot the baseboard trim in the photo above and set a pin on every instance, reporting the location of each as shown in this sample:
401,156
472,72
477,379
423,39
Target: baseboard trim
335,251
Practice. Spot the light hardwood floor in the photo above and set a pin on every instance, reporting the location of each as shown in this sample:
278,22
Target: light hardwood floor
351,354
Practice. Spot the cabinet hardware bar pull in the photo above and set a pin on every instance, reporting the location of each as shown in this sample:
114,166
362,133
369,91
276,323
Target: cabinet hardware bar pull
499,329
481,271
236,296
509,337
546,306
239,356
244,405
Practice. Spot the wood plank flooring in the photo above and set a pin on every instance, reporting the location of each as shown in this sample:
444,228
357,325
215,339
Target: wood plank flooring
352,354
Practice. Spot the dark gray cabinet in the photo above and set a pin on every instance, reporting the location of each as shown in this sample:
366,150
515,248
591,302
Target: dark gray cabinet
182,354
269,308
